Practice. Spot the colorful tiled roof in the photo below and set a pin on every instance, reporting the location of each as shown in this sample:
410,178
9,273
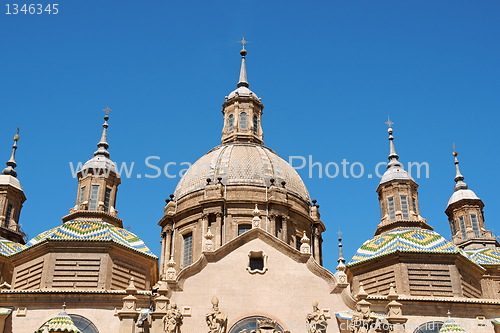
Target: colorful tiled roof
95,231
8,248
404,240
450,326
61,323
485,256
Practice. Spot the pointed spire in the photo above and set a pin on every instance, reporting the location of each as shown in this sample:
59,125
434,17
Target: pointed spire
103,144
393,156
11,163
243,72
459,179
341,260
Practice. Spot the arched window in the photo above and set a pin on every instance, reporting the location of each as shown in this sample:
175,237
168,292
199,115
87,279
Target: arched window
187,250
230,122
255,125
243,120
251,324
242,228
83,324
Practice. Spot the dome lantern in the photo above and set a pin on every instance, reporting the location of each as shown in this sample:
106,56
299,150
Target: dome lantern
98,182
242,110
398,195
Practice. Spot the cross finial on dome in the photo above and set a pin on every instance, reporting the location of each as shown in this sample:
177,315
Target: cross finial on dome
393,156
107,110
389,122
243,42
459,179
243,82
11,163
103,143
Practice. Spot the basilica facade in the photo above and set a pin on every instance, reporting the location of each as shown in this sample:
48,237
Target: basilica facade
242,252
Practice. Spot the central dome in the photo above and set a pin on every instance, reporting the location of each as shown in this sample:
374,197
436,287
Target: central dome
239,163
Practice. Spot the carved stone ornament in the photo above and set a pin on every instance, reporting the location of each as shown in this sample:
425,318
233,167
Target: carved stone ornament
316,320
171,272
305,247
209,244
256,221
267,326
172,321
216,319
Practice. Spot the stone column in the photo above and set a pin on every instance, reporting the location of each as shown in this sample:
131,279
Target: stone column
168,246
272,224
162,257
317,235
218,230
284,226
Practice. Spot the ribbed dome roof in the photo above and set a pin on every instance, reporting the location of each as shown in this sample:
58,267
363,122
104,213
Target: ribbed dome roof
404,240
243,92
395,172
100,163
241,164
462,194
92,231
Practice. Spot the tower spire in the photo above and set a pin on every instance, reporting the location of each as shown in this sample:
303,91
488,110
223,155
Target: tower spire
393,156
102,146
341,260
11,163
243,71
459,179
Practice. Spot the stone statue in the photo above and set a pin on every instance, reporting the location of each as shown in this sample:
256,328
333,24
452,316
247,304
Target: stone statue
316,320
216,319
172,321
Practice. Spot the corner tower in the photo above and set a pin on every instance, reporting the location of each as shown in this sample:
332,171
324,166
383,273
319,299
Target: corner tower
12,199
466,217
98,182
398,195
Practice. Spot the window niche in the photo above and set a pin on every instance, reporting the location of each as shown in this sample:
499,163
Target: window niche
257,262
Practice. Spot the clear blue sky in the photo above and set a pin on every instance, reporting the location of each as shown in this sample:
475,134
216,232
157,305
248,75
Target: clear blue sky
328,73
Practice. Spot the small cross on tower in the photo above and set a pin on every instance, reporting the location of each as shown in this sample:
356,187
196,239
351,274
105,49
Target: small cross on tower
243,42
389,122
107,110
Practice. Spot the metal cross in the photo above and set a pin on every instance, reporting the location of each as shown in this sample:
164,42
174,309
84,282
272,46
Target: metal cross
17,129
389,122
453,146
339,233
107,110
243,41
